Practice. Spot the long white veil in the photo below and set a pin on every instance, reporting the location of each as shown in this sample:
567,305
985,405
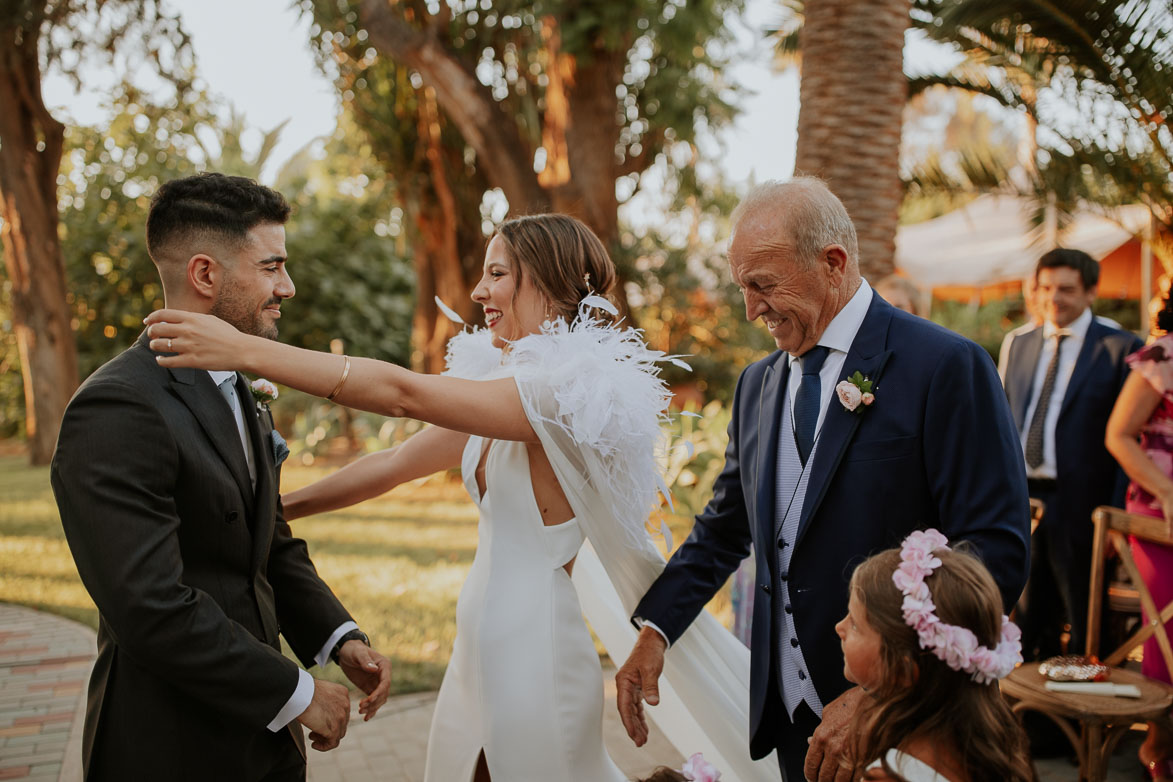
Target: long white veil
593,395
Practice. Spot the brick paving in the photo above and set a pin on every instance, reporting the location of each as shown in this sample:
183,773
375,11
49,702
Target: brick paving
391,746
44,666
45,662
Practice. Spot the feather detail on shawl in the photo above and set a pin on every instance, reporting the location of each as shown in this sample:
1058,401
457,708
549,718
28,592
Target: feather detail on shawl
600,385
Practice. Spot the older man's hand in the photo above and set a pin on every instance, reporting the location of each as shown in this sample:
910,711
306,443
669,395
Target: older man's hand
828,759
637,681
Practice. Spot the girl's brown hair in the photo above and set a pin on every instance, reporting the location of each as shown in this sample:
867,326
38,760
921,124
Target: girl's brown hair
665,774
922,696
563,258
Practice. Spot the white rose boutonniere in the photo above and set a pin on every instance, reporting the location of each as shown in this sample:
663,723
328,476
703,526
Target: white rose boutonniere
855,393
263,391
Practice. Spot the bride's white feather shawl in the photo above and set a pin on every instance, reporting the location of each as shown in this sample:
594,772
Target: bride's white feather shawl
599,385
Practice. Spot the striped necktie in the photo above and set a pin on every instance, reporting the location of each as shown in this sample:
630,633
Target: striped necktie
1034,435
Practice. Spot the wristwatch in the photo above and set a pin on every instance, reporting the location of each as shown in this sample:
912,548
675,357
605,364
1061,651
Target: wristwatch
349,635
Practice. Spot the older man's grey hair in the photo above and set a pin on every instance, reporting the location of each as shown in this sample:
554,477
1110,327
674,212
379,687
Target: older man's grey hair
813,218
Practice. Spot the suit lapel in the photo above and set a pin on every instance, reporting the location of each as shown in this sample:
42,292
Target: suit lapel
195,389
868,357
1020,374
1092,344
259,430
769,426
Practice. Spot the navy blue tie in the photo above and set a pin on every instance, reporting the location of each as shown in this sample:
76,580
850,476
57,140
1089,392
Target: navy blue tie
806,401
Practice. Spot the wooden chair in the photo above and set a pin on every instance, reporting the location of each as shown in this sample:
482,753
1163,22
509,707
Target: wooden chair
1103,720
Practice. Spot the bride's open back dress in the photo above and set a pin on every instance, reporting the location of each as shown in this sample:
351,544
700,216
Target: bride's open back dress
524,683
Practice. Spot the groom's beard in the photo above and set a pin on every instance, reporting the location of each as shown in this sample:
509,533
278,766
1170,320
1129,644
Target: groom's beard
232,308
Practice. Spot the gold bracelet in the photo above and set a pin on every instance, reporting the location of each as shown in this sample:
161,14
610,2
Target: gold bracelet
341,380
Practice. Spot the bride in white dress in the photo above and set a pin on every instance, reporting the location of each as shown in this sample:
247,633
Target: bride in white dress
553,414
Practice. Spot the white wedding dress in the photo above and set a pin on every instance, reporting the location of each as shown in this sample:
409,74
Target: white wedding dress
524,682
909,767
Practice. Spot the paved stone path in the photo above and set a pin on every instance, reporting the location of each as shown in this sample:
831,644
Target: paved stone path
391,746
45,663
44,666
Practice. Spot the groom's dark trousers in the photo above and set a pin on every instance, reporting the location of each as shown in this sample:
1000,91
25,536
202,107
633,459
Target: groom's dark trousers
938,448
194,572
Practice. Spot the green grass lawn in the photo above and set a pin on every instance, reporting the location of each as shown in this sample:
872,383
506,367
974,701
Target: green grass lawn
396,562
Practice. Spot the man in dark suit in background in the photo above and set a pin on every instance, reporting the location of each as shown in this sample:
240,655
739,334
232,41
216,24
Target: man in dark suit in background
1062,380
167,483
817,482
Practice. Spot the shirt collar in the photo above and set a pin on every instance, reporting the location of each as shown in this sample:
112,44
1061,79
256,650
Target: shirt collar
1076,328
219,376
841,331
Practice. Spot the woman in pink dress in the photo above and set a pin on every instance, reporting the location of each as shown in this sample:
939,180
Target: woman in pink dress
1140,436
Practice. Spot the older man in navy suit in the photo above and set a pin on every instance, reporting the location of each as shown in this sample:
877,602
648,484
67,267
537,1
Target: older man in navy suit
817,482
1062,380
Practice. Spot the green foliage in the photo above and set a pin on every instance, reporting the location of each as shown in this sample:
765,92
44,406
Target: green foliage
353,281
351,277
686,300
696,455
670,85
107,177
1095,75
985,325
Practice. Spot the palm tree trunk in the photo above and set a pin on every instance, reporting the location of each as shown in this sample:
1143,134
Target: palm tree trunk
852,97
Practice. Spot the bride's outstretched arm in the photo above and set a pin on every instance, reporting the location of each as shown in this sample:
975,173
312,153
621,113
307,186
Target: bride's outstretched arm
491,408
430,451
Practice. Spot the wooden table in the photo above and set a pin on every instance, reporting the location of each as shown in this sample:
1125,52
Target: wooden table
1093,724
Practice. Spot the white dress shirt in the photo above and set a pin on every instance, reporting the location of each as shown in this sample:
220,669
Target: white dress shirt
1068,353
303,694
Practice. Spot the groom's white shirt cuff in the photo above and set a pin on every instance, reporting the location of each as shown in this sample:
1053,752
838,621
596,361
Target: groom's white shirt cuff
303,695
639,620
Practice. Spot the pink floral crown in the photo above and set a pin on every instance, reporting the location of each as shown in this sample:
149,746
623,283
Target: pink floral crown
699,769
956,646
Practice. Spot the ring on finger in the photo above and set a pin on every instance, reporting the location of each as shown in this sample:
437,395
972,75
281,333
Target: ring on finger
169,350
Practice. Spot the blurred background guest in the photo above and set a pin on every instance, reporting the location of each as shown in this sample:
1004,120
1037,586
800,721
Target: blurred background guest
1062,379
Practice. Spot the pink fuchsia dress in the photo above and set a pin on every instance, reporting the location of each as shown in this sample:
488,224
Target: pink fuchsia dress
1154,362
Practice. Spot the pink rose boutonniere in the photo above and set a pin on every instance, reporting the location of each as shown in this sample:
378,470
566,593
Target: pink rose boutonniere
855,393
263,391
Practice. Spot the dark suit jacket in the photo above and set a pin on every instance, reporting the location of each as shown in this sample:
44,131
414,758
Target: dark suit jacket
1088,475
936,449
194,575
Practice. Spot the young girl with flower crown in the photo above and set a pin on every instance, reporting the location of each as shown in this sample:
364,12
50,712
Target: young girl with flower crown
926,639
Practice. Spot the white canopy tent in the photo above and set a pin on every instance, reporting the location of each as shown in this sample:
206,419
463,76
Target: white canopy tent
990,241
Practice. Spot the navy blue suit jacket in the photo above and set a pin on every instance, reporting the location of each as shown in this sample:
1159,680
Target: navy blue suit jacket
1088,475
938,449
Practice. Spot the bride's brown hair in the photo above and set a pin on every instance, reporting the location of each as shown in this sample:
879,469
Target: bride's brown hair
920,695
563,258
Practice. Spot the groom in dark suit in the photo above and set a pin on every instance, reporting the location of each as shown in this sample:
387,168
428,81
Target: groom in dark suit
1062,380
819,475
167,483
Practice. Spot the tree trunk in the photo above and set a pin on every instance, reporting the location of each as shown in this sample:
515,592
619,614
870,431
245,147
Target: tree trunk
852,97
437,255
30,156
